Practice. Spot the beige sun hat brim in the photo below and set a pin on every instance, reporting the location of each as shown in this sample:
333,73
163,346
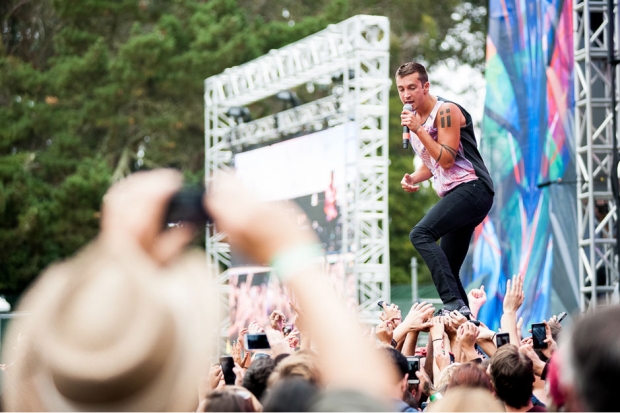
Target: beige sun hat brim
52,352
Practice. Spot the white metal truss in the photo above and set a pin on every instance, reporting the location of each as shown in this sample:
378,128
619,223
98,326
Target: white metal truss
358,50
594,112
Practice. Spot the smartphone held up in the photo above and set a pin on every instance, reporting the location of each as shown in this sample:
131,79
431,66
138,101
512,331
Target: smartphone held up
501,339
539,334
256,342
227,363
414,365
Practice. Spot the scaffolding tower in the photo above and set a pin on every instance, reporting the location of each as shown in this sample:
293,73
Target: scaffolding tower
596,91
357,51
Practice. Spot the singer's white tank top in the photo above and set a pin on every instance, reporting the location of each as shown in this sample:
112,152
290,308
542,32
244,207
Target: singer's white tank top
444,180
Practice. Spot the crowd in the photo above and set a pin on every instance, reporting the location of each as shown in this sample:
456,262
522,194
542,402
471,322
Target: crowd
128,324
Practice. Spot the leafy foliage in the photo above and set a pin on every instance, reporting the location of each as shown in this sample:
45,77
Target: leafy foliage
92,90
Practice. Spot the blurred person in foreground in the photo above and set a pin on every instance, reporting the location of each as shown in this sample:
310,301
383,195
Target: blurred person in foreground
584,371
123,325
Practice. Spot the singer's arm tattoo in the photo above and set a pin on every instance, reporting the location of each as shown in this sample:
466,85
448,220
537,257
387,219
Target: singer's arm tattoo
445,119
448,149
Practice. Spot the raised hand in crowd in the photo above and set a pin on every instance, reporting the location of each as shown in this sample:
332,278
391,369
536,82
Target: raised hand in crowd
293,338
131,207
437,328
486,340
391,313
441,356
450,328
527,349
241,338
467,335
551,344
512,302
477,297
278,343
239,374
441,360
255,328
514,294
416,320
556,327
385,332
235,352
215,379
485,333
457,319
277,320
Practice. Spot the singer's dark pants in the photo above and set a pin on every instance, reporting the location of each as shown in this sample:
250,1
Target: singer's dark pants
453,220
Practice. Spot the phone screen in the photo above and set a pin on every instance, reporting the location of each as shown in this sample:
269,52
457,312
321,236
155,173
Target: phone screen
256,342
414,365
227,364
502,339
538,335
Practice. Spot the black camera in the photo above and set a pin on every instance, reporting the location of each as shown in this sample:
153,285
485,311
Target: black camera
187,206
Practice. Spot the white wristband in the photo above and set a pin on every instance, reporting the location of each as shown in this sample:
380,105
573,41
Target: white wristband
296,259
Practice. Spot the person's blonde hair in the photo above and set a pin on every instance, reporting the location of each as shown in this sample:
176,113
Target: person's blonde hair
445,376
466,399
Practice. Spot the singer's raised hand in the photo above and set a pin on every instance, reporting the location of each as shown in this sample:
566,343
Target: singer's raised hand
408,183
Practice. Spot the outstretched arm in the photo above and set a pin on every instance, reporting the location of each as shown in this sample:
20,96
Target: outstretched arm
512,301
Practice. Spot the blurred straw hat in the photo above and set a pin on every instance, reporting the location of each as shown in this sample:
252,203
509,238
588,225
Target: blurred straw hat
111,331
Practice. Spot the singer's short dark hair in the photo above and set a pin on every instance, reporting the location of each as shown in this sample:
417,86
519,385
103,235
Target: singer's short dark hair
409,68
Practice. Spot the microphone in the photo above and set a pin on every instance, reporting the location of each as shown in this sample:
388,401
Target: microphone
406,128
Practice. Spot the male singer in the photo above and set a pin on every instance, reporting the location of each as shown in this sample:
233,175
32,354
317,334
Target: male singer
442,135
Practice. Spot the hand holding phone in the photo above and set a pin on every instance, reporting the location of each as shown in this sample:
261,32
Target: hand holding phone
414,365
228,364
539,334
256,342
501,339
561,316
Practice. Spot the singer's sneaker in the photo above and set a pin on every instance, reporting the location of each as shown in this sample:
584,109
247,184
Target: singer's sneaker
466,312
441,312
